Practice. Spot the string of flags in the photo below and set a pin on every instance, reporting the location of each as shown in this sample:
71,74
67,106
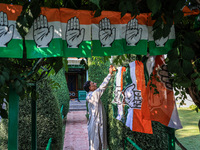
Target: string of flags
77,33
135,102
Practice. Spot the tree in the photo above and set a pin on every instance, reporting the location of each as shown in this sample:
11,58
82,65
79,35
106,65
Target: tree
184,54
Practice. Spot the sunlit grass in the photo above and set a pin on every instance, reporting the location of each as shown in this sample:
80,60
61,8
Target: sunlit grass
189,136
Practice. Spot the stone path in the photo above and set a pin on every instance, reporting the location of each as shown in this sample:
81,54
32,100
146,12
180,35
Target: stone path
76,135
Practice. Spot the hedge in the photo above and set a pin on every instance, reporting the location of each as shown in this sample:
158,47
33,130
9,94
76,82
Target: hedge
62,92
117,131
49,121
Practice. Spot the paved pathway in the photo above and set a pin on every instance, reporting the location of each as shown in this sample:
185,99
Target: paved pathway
76,135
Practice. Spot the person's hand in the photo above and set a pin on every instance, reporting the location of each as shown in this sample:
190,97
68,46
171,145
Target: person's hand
74,35
42,33
111,69
106,34
6,32
133,33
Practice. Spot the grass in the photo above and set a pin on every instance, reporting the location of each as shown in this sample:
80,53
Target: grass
189,135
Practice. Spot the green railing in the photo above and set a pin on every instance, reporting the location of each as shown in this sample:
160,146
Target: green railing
133,143
61,111
49,144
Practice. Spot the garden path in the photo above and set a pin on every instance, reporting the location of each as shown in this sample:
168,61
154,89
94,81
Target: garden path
76,135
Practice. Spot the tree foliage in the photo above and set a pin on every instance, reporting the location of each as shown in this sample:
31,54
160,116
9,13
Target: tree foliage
183,60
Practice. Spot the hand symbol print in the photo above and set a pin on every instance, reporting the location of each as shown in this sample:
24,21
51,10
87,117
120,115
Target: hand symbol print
42,34
161,42
106,34
74,36
6,33
133,33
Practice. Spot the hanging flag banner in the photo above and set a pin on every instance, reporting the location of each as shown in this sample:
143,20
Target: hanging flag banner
76,32
107,34
162,103
131,100
160,46
134,34
188,12
45,36
11,44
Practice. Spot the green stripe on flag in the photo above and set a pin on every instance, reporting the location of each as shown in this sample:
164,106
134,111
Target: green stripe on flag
116,49
153,50
139,49
54,49
14,49
84,50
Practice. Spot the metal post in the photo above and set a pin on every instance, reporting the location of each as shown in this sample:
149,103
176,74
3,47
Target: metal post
13,119
33,118
171,138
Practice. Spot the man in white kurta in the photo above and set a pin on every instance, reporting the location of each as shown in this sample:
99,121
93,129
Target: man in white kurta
97,133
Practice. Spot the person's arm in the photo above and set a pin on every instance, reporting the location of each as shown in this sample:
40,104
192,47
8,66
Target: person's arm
104,84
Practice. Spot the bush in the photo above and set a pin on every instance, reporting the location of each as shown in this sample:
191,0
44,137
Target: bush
3,134
62,92
49,121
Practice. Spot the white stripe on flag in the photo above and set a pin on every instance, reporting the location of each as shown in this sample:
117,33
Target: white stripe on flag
174,120
16,34
129,121
171,34
120,112
132,73
57,31
87,36
120,31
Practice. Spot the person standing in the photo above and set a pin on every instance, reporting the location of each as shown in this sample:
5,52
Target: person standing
96,125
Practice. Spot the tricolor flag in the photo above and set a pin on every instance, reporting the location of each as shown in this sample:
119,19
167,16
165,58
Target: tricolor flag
76,32
11,44
135,97
187,11
45,36
107,34
118,94
130,100
160,46
162,105
134,34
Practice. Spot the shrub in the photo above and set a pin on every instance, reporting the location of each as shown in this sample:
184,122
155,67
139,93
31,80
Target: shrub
61,92
49,121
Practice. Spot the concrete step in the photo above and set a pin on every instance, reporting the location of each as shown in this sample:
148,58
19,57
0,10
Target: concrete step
76,105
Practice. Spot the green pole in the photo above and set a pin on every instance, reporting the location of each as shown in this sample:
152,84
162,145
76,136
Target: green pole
171,138
33,118
13,119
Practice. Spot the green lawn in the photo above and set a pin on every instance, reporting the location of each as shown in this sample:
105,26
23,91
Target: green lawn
189,135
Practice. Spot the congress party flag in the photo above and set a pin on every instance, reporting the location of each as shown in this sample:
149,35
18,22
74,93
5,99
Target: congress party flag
11,44
118,94
162,105
160,46
135,97
134,34
130,98
45,36
76,32
106,34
